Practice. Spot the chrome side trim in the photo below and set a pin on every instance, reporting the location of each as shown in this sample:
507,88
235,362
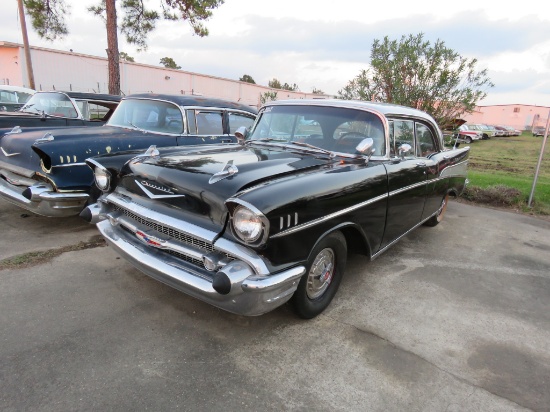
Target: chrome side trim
374,256
328,217
71,164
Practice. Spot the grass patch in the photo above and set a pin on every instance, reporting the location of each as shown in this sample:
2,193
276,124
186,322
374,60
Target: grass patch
501,172
36,258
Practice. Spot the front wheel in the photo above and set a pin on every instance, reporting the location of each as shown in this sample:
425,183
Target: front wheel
468,139
438,217
324,271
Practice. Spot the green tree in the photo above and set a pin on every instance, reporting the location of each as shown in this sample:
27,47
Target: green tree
126,57
169,63
247,78
276,84
412,72
267,97
317,91
48,19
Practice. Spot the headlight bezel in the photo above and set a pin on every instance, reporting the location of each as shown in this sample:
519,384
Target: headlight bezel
102,173
238,206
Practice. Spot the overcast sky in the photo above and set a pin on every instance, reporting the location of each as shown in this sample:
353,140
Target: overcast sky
314,44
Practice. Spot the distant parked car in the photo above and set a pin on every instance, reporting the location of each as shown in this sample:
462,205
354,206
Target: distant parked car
61,109
45,171
249,226
467,134
12,98
539,130
513,131
501,131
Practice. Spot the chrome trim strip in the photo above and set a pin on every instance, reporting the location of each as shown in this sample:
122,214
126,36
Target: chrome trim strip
153,196
328,217
244,253
70,164
403,235
413,186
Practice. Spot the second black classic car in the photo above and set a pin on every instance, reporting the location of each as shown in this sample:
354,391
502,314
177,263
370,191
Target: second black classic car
45,171
249,226
61,109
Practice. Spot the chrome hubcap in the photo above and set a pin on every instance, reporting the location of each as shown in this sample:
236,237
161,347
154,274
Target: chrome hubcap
320,274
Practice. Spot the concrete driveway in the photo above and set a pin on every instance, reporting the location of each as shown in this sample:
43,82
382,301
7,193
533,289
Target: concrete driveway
453,318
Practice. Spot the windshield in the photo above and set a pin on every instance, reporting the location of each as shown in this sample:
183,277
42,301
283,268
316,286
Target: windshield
330,128
149,115
53,104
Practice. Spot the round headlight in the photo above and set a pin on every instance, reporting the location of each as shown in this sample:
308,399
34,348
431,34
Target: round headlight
102,178
247,224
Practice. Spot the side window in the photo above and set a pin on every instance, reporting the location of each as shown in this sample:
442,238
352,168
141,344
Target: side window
401,132
209,122
238,120
425,141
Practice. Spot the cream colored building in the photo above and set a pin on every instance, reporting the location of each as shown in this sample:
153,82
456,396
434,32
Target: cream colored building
61,70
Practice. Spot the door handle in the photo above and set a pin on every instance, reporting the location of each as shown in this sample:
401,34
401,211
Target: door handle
421,164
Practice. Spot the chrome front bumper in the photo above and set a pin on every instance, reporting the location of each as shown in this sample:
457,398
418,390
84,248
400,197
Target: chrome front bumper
250,294
43,200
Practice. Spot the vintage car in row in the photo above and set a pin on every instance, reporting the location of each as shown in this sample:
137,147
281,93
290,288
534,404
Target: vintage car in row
249,226
55,109
44,171
12,98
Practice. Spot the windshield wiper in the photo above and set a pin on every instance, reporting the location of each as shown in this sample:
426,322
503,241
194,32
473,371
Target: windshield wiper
316,148
265,139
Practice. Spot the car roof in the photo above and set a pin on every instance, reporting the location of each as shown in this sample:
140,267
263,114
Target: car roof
86,95
200,101
386,109
10,88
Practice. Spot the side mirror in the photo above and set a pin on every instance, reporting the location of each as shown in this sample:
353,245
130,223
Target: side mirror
241,133
404,150
365,147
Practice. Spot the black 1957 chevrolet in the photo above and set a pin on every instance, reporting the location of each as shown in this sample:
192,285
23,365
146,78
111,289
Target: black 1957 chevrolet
249,226
44,171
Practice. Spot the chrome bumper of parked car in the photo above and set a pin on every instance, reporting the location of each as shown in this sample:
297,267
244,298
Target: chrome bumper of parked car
41,199
247,292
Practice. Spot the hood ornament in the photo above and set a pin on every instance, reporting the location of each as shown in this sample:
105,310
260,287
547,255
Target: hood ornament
15,130
228,170
48,137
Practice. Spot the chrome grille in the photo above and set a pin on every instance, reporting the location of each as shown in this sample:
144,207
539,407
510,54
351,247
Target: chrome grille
175,234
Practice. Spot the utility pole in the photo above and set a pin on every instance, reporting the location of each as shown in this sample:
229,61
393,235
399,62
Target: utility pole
540,161
26,44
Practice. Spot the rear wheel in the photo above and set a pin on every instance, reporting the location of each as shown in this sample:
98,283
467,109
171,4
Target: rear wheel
438,217
324,271
468,139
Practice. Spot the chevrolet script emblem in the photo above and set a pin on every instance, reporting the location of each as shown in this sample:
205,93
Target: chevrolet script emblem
149,187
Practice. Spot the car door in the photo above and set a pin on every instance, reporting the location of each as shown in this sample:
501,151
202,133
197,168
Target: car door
407,177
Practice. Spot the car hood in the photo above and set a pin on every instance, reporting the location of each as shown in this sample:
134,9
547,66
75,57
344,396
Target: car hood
64,146
194,181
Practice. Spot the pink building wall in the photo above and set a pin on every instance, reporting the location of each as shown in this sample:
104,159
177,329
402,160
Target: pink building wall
519,116
61,70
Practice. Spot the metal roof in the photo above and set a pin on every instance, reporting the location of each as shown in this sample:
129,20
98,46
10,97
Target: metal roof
189,100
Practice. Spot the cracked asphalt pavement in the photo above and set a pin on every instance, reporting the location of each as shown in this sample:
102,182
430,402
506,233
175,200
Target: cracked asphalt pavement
452,318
